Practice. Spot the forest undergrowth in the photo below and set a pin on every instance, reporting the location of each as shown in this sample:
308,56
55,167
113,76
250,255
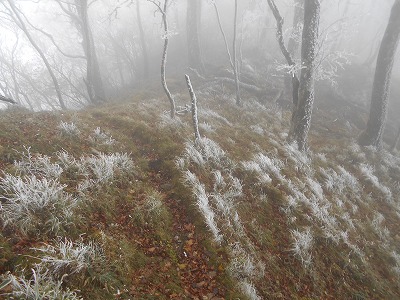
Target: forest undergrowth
120,202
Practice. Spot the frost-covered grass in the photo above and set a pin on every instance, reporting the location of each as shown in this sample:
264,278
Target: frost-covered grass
37,165
203,204
265,167
368,173
69,129
68,257
100,137
102,168
302,245
205,151
218,201
39,285
35,205
34,201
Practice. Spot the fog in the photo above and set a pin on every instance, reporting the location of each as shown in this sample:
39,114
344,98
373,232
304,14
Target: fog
350,35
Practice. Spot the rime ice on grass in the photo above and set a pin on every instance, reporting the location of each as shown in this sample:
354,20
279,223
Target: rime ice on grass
102,168
68,129
37,165
203,204
68,257
302,245
100,137
205,151
34,205
368,172
265,167
40,285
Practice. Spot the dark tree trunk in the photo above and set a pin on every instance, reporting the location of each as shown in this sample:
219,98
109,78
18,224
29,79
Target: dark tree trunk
372,136
143,42
301,118
192,35
94,81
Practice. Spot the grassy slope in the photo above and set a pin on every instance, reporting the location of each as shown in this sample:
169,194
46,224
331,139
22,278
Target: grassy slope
171,253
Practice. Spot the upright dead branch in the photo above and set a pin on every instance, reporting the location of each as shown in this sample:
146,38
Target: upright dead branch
194,108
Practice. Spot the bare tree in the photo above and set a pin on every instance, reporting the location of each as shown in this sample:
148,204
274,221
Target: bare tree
77,11
16,17
372,135
294,44
235,62
193,19
301,117
289,55
163,11
232,58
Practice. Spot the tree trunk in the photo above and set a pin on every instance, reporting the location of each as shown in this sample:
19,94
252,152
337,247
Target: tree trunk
228,52
396,140
163,12
301,118
293,45
235,64
142,42
288,56
192,35
94,81
372,136
21,24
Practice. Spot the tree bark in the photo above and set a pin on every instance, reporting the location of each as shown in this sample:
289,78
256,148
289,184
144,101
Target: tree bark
235,63
372,135
94,81
301,118
163,11
193,19
293,46
17,18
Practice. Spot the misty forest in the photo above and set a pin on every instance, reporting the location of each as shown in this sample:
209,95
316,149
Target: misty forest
199,149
